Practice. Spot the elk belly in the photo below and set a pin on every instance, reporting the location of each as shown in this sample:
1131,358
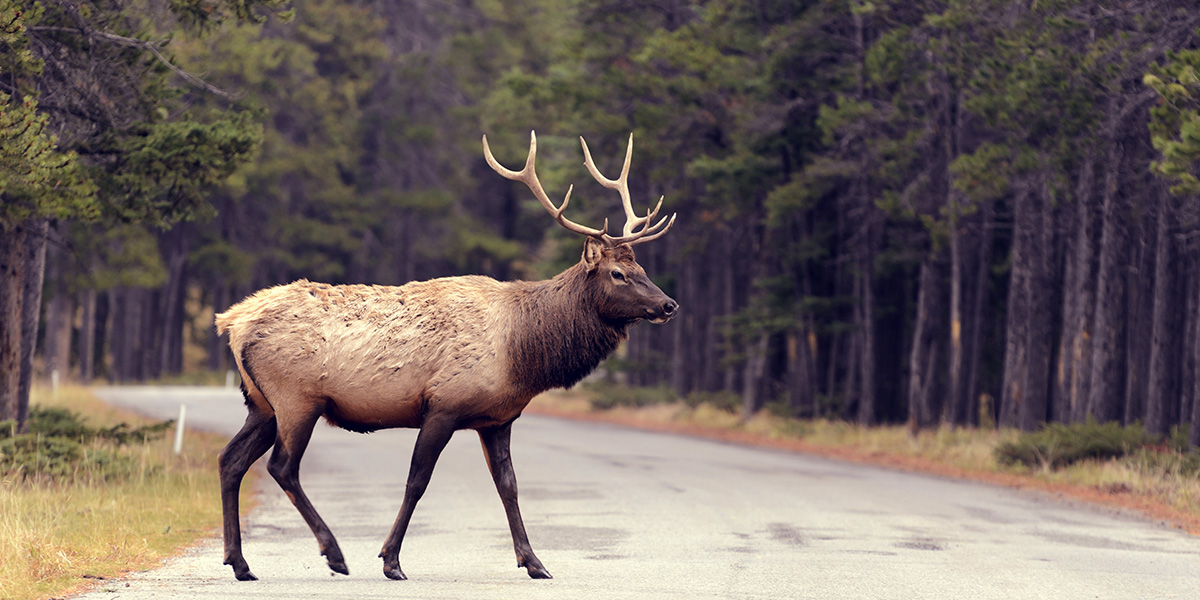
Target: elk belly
367,415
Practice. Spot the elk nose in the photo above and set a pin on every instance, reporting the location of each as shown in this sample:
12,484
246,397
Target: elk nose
669,307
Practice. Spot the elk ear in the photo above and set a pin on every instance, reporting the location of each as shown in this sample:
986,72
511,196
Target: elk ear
593,251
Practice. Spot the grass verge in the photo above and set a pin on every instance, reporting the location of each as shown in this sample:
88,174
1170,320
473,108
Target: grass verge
1155,482
60,535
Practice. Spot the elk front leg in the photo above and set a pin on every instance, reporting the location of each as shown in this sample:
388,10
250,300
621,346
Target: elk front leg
432,438
495,447
246,447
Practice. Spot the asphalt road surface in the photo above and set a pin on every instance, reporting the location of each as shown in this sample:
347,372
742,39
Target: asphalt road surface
618,513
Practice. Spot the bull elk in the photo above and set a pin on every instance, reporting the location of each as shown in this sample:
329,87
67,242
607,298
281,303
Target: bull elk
441,355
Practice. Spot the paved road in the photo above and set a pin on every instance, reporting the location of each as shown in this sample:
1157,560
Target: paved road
617,513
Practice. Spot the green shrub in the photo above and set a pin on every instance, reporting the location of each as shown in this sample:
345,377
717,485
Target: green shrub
722,400
58,444
1178,438
30,455
1058,444
607,395
1159,460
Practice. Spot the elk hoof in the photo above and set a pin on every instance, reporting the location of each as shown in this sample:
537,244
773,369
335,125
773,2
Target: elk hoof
537,571
394,573
337,563
240,569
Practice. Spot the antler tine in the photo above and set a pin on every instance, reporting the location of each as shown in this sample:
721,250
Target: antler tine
621,184
643,238
528,176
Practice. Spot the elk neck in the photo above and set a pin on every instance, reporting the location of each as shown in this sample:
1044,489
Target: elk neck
558,335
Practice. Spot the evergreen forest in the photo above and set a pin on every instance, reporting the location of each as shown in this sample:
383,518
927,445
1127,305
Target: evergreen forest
964,212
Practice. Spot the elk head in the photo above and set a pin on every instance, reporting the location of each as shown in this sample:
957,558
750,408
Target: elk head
620,286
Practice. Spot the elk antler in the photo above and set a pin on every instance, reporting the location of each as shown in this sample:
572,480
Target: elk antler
632,221
528,176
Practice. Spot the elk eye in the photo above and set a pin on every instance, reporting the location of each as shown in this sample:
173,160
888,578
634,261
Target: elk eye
619,276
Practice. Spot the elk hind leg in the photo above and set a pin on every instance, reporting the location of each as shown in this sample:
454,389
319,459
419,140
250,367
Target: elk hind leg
431,440
295,430
496,449
247,446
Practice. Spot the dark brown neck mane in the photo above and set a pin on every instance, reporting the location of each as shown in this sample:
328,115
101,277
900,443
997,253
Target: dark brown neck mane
558,336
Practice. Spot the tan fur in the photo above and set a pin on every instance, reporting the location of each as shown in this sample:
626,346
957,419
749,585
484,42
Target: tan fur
374,354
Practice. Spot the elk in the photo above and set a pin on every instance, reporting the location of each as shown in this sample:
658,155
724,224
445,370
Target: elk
453,353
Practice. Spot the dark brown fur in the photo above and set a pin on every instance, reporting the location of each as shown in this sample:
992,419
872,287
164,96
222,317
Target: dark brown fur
559,336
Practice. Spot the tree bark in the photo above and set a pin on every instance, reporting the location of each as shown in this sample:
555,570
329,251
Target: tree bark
60,311
867,409
957,400
87,338
1194,421
1046,289
1139,318
1075,352
12,280
979,299
173,309
1024,401
923,397
31,311
1017,324
1163,391
752,381
1106,386
56,353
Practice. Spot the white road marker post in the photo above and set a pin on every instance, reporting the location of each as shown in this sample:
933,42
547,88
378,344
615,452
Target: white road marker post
229,379
179,429
54,383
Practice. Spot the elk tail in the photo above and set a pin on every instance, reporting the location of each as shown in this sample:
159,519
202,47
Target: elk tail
227,319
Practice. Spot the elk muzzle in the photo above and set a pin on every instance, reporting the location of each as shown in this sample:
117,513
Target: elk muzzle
663,312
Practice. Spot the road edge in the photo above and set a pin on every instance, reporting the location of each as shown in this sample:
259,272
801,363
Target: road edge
1135,505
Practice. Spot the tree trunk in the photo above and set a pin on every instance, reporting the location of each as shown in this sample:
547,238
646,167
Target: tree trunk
957,400
174,315
59,315
923,397
1024,400
1046,288
1162,394
1194,421
979,299
1015,392
12,280
867,409
1075,352
1187,375
31,311
752,381
87,338
1106,387
1139,321
60,310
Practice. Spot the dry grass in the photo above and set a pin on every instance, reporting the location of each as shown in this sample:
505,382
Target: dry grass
56,537
1150,482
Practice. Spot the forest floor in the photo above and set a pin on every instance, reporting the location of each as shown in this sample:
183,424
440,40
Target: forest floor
1138,483
75,530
